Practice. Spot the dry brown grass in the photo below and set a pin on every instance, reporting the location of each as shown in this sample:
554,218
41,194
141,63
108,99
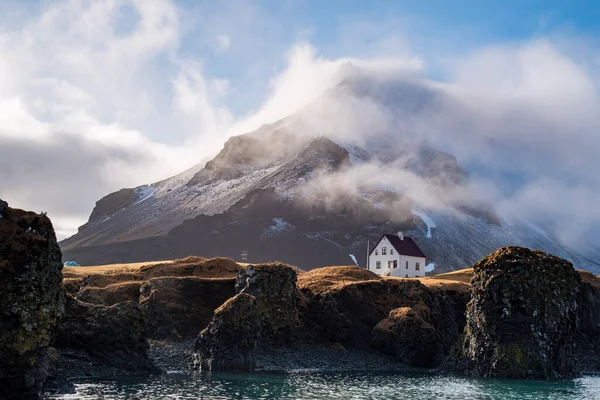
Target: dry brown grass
111,269
461,275
111,294
590,278
194,266
107,275
324,279
457,281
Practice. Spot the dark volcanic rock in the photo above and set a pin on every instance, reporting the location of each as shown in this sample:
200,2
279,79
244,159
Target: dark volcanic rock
229,341
180,307
112,336
274,287
406,335
588,339
348,314
30,300
522,319
263,313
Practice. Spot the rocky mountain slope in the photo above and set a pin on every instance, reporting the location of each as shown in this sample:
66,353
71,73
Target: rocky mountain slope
308,192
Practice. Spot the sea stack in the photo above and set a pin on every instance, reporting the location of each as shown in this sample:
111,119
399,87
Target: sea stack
263,313
522,319
30,300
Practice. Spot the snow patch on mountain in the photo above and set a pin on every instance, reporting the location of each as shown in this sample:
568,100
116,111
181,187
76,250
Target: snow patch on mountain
280,225
428,221
144,193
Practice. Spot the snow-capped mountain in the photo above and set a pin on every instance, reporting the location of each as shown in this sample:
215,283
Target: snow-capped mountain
312,188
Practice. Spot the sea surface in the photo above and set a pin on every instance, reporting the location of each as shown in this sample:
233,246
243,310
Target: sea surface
339,385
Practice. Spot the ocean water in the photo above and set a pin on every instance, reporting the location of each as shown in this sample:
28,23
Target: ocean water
322,385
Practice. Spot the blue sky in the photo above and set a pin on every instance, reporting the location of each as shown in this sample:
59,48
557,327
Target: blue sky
432,29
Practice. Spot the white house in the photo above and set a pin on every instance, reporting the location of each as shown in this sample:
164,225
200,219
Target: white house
397,255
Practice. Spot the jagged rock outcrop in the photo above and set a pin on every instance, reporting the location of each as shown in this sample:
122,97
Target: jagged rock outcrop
180,307
523,317
230,340
262,313
274,288
405,334
112,336
30,300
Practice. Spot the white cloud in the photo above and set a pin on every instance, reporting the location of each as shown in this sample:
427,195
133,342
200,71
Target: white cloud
76,83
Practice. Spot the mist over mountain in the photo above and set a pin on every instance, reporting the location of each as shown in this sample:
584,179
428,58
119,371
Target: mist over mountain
378,152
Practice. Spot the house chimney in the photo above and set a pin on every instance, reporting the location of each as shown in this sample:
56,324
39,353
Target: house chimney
401,235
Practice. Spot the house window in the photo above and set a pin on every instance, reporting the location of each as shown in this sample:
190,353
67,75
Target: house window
378,265
383,251
395,263
407,275
391,252
407,265
417,266
376,252
389,264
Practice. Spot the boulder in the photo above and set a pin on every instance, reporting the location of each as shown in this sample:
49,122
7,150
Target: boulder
180,307
263,313
523,316
229,341
30,300
405,334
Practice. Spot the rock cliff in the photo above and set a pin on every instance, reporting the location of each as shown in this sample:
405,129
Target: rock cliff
262,313
588,339
523,317
112,336
30,300
180,307
376,313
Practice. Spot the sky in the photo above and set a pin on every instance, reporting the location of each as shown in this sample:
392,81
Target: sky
105,94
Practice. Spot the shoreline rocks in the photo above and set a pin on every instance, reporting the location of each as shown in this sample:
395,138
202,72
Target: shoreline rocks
30,300
523,317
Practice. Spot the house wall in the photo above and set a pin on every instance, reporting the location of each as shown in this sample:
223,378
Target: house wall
401,271
384,259
411,271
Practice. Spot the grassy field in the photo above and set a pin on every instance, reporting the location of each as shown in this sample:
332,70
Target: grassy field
74,272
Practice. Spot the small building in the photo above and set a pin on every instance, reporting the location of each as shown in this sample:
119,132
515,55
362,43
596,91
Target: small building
397,255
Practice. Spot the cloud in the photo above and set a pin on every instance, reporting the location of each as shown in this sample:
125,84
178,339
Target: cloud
87,102
521,118
307,75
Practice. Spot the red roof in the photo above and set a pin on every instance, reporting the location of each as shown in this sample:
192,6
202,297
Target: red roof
406,247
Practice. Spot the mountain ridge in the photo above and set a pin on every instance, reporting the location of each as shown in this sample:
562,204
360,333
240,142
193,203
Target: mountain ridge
301,168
